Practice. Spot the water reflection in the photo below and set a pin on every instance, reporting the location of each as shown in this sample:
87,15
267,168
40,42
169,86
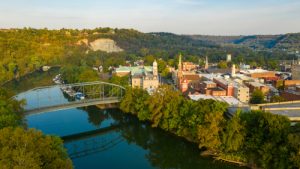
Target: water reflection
159,149
35,79
93,145
128,144
95,115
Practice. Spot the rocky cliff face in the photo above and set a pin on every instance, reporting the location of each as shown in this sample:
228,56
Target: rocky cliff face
107,45
103,44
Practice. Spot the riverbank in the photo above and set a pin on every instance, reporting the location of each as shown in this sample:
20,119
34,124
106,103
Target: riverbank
253,139
32,73
232,161
141,145
32,80
214,155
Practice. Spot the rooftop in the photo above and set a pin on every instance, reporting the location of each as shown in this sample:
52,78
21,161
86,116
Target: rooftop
224,81
209,76
256,84
251,71
217,70
209,82
192,77
227,99
135,70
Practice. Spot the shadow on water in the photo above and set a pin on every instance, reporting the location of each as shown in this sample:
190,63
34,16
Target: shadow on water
35,79
94,143
163,150
95,115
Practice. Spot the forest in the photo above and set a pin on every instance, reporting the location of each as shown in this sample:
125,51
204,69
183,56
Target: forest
257,139
23,51
21,147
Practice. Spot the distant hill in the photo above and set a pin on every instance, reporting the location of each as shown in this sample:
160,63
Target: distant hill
286,42
26,50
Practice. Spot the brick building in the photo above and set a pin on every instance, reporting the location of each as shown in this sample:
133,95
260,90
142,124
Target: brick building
145,77
258,86
291,83
188,66
185,79
210,88
241,92
224,84
259,73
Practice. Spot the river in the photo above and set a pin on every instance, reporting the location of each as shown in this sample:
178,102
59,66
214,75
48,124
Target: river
111,139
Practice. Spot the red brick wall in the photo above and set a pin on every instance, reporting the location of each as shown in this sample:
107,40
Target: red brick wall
263,75
289,96
288,83
230,91
218,92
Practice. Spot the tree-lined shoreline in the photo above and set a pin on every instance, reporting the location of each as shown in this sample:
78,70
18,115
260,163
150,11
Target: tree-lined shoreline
256,138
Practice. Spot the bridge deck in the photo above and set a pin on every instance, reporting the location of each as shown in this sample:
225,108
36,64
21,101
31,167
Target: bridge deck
75,104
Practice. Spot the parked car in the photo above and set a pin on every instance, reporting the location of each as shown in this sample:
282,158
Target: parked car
79,96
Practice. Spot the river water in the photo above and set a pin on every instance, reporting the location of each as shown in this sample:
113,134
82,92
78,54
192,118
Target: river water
111,139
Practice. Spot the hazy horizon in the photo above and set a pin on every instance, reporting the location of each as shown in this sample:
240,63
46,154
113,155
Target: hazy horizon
188,17
150,32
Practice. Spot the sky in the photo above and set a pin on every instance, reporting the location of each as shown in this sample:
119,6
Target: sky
206,17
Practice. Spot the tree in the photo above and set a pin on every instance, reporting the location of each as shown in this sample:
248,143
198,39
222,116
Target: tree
35,62
11,111
294,143
266,141
258,97
123,81
222,64
162,65
213,124
234,134
70,73
135,102
149,60
88,75
21,148
275,99
164,105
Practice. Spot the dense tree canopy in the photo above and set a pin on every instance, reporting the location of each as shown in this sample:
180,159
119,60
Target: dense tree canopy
75,74
26,50
258,138
257,97
21,148
11,111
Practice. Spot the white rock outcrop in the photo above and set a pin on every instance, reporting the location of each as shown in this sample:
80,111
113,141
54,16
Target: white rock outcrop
107,45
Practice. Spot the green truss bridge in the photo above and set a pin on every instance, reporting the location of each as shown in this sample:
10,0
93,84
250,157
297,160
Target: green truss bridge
66,96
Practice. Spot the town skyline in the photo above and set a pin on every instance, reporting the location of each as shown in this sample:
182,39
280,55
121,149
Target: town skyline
176,16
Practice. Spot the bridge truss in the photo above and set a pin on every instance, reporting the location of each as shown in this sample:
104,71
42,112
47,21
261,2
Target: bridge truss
58,97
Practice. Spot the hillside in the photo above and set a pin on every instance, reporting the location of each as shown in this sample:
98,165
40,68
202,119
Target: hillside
25,50
287,42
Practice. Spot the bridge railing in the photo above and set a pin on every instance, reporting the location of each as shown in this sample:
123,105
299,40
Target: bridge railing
56,95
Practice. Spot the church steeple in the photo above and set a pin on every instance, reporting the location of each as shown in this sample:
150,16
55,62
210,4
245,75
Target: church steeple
206,63
180,63
179,72
155,71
